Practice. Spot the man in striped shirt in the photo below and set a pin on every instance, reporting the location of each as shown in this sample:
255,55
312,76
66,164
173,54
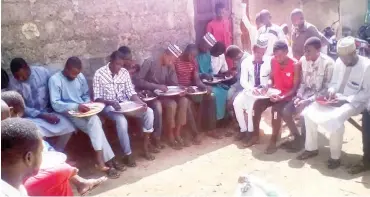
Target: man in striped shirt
112,85
159,73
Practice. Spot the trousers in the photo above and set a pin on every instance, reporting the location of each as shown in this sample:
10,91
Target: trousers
147,119
92,126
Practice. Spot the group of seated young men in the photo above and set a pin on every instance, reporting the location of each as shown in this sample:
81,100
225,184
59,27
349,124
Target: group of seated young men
48,97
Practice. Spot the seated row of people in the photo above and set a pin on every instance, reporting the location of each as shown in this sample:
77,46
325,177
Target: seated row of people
301,83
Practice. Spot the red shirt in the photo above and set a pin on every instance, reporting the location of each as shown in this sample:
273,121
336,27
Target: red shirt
185,72
51,182
283,76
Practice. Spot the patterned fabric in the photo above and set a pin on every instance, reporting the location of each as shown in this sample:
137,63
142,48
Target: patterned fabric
185,72
34,90
316,76
114,88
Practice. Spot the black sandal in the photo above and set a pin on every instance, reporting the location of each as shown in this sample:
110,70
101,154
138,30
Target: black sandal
174,145
129,161
308,154
333,163
118,166
358,168
148,156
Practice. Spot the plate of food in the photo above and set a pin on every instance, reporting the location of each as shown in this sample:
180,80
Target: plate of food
172,91
52,158
322,100
130,107
95,108
218,79
147,95
270,92
194,90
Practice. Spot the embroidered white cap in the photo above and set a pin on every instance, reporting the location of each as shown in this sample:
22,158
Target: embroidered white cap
346,46
210,39
175,50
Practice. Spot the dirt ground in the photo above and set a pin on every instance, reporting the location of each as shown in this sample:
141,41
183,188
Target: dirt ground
213,168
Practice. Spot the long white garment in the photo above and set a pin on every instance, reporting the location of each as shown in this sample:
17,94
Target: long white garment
274,33
63,127
244,102
9,191
218,64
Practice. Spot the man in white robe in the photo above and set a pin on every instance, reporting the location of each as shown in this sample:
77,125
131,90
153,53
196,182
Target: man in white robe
350,91
258,64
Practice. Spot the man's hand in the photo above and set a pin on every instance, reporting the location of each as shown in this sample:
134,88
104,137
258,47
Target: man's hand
256,92
190,90
302,103
206,77
276,98
50,118
162,88
339,102
115,105
83,108
331,94
209,89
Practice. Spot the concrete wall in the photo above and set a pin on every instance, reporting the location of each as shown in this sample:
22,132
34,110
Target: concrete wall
49,31
353,13
321,13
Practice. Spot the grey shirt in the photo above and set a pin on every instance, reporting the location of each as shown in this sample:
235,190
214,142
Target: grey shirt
152,73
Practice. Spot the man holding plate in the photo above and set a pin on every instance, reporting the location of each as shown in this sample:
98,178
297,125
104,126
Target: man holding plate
69,92
158,74
347,96
255,73
112,85
317,70
284,79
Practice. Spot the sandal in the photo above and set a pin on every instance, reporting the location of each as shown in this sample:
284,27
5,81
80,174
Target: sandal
358,168
184,143
153,149
294,146
93,184
214,134
129,161
174,145
118,166
271,148
197,140
148,156
333,163
239,136
251,141
111,172
308,154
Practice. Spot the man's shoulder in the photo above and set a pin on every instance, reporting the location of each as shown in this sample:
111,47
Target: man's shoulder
56,76
327,59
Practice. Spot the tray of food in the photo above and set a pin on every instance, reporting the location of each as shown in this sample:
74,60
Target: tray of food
129,107
265,94
322,100
95,108
194,90
172,91
147,95
218,79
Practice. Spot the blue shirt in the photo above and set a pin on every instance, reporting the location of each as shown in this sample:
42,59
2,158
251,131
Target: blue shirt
66,95
34,91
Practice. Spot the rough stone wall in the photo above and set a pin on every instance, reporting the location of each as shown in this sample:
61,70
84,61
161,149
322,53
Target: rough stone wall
50,31
321,13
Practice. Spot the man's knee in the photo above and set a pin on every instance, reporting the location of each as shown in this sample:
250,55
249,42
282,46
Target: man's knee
95,121
238,101
169,105
157,107
183,102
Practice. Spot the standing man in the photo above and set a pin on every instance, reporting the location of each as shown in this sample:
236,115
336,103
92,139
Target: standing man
112,85
317,70
220,28
255,74
32,84
158,73
301,32
21,154
273,32
350,90
69,91
285,76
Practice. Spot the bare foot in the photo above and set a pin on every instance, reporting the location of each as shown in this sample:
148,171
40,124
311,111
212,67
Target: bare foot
87,185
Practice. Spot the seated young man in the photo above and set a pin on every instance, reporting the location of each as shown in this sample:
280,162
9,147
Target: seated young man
159,73
350,91
69,91
317,70
187,74
285,76
112,85
21,150
32,83
237,55
255,74
54,181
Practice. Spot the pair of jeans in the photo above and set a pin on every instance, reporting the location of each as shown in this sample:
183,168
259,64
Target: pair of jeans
147,119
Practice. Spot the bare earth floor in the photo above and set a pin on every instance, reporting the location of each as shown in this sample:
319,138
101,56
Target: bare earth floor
213,168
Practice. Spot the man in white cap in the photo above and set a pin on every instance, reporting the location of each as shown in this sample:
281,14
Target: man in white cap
348,94
255,72
273,31
159,73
